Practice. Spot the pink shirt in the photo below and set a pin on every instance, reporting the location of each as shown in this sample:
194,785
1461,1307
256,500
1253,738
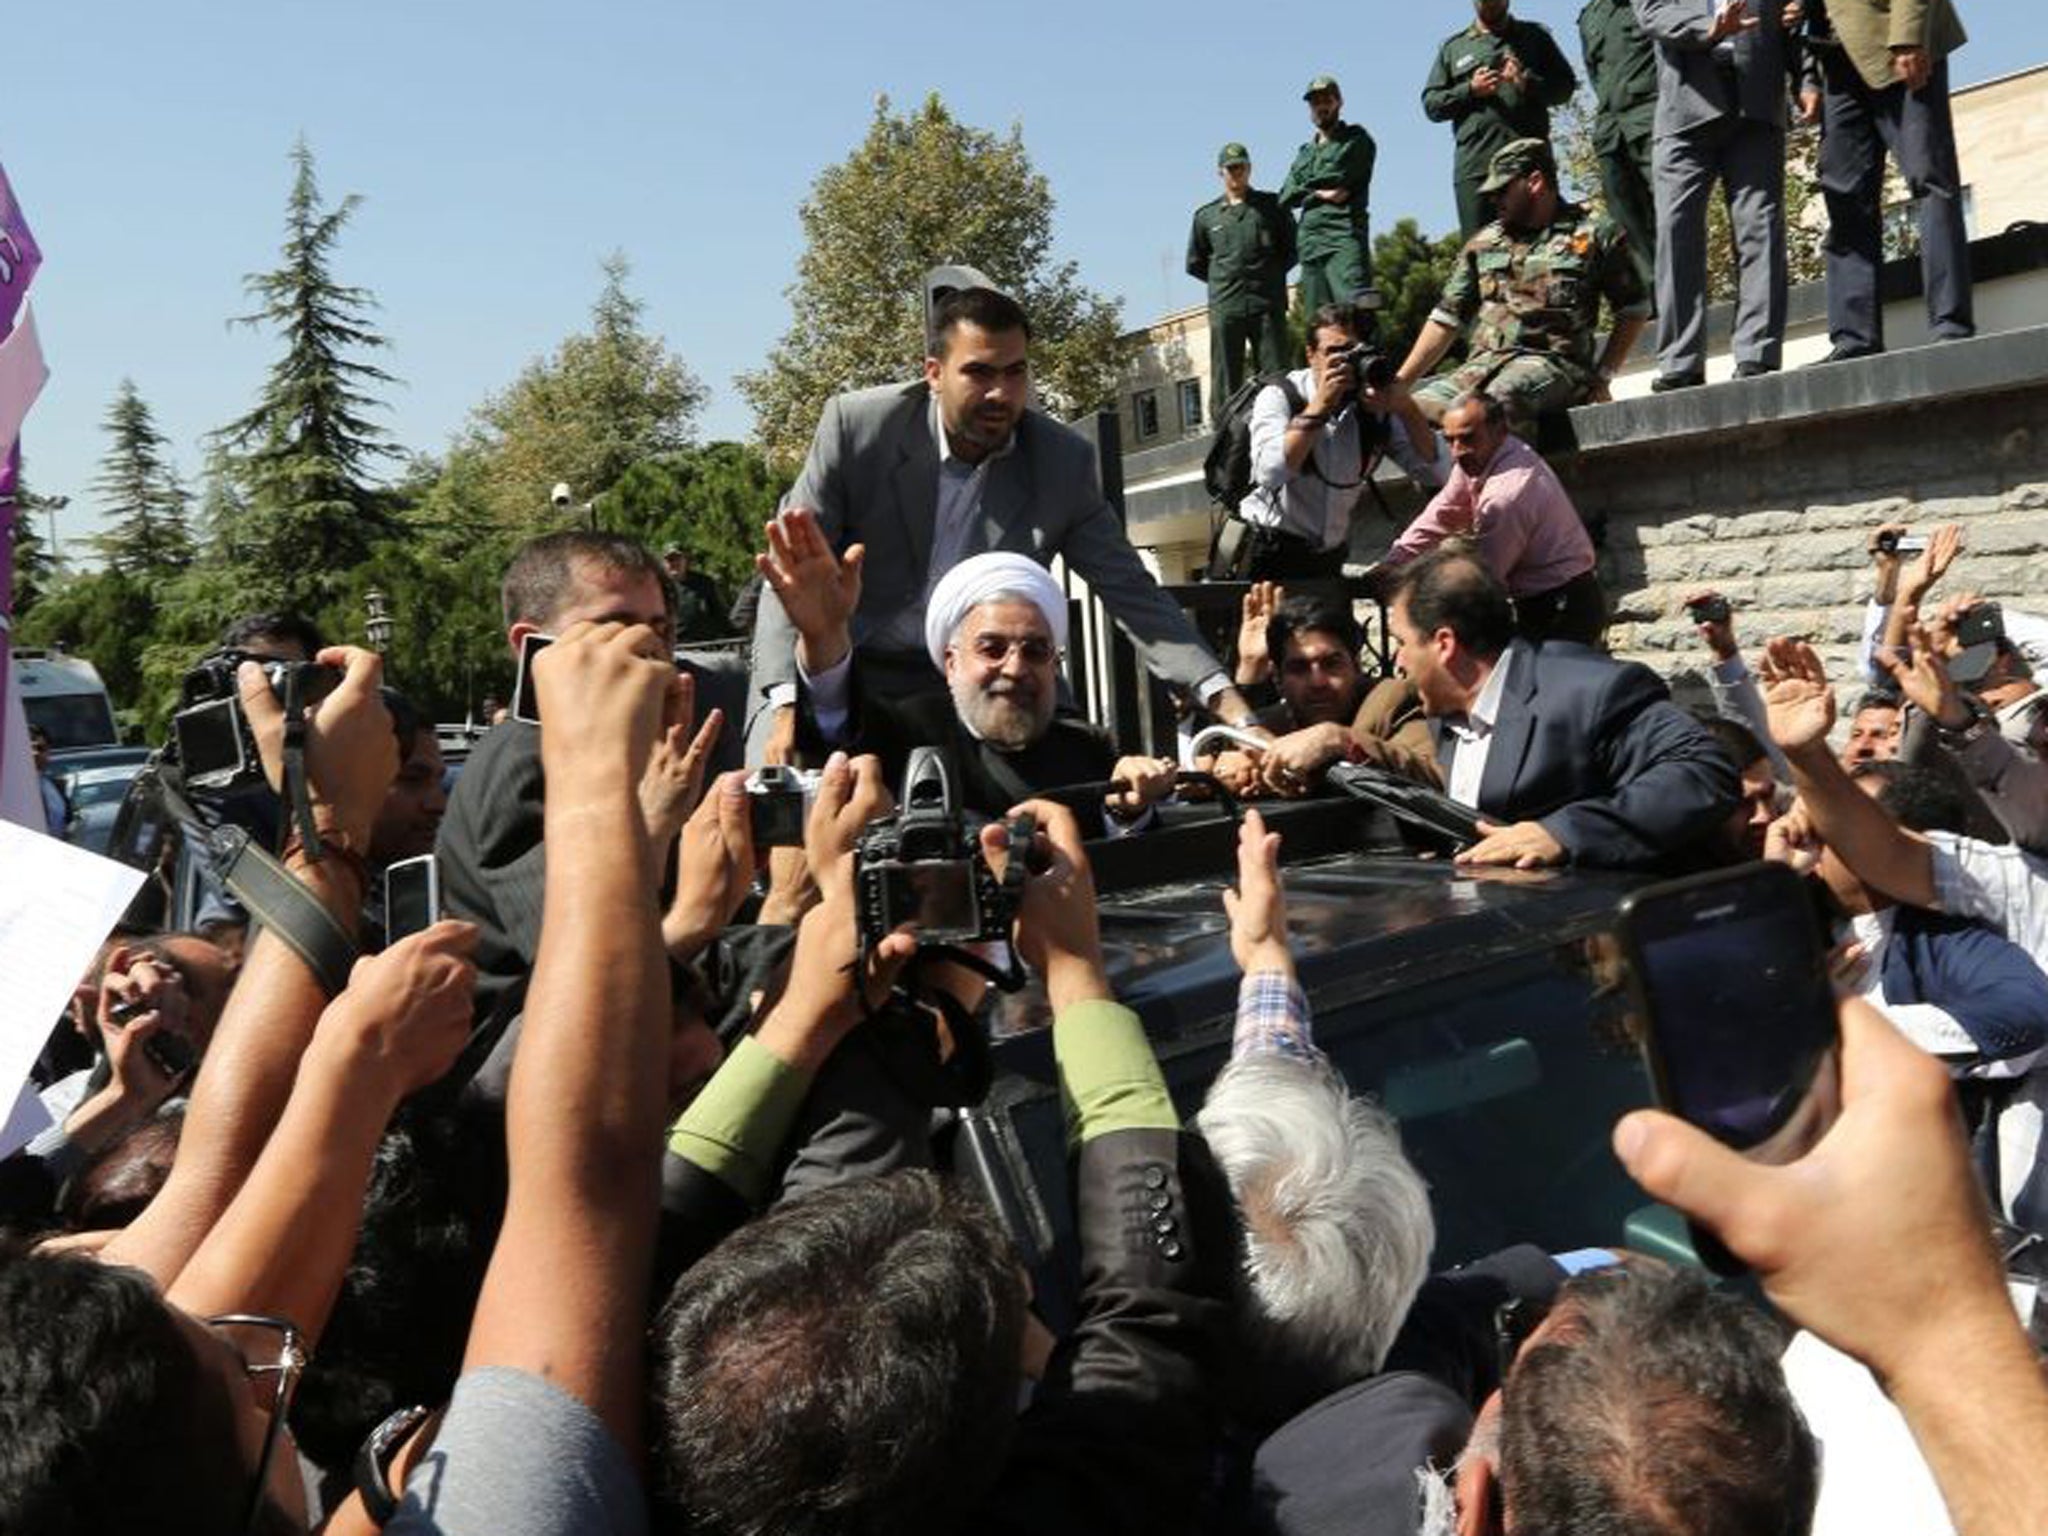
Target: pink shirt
1528,532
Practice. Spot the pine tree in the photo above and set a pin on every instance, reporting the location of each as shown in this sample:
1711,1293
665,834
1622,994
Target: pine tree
35,569
307,449
148,534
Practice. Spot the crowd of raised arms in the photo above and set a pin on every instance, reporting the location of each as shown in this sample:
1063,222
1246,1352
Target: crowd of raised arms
622,1196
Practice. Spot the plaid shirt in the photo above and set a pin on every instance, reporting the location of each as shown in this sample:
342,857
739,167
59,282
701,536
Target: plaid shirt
1272,1015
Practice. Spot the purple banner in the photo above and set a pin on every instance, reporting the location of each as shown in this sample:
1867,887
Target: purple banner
19,255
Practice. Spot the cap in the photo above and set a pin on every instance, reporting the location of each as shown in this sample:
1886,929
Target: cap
1518,159
673,549
1321,83
1233,153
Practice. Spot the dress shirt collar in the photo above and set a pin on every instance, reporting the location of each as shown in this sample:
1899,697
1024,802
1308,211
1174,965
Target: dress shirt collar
1478,719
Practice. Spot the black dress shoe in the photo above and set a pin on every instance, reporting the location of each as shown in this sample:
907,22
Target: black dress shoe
1847,355
1664,383
1754,370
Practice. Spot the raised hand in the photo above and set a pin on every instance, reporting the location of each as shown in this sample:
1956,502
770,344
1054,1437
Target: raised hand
1799,703
1058,932
607,692
1924,679
675,770
819,589
1254,661
405,1014
351,751
1932,563
714,870
1257,907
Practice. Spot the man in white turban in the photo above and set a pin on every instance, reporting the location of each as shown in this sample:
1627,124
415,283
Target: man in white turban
994,626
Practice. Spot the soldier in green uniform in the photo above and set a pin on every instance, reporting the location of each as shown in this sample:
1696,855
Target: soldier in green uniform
1622,66
1331,182
1495,82
1529,287
1242,246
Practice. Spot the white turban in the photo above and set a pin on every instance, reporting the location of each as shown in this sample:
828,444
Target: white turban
973,582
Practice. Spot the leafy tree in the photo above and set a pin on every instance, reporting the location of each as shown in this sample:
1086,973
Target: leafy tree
148,534
712,501
1410,271
106,617
920,190
303,455
585,415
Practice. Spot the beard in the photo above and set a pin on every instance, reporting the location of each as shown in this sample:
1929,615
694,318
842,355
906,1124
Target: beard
1006,714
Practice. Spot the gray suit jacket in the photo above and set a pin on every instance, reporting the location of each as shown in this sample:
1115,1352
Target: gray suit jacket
1692,89
872,476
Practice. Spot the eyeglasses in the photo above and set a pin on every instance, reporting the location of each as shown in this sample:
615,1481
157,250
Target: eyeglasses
1037,649
268,1346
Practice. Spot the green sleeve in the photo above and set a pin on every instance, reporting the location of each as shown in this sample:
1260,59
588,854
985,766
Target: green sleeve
1198,250
1294,190
1621,283
738,1123
1355,159
1548,77
1442,97
1109,1078
1460,298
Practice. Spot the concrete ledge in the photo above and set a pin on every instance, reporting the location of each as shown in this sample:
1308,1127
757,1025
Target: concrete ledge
1942,371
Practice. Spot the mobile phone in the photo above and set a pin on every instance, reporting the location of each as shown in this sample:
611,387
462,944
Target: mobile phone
1736,1013
171,1054
412,897
1713,610
1980,623
525,700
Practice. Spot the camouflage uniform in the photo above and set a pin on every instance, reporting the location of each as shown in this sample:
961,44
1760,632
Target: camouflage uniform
1532,301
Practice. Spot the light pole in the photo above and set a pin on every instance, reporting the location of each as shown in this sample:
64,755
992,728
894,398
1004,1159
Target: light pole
53,505
378,626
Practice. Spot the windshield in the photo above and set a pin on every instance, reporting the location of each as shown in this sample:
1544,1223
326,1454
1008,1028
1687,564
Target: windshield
73,719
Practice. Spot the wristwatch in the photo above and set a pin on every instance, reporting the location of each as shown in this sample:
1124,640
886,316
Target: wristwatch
373,1462
1981,723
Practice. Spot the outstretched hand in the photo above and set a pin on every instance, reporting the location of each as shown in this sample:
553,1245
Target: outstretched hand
1254,659
1924,680
1058,931
1877,1237
1799,702
819,588
405,1014
1257,906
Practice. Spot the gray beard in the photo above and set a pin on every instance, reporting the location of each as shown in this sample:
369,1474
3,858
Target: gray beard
998,719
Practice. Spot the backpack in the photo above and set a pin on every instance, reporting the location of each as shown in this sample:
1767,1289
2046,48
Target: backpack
1227,471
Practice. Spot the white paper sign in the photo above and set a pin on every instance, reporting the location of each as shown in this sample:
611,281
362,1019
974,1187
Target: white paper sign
57,903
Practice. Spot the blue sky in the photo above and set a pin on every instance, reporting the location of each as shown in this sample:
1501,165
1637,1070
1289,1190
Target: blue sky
501,149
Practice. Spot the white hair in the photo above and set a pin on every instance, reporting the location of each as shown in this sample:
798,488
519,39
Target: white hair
1336,1219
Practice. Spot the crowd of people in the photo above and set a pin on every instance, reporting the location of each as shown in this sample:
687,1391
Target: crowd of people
611,1200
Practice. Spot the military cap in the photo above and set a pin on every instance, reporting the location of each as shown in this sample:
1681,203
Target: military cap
1321,83
1518,159
1233,153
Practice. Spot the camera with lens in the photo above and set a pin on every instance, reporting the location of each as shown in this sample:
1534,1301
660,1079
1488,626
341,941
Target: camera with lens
1370,367
778,803
1892,542
211,742
924,865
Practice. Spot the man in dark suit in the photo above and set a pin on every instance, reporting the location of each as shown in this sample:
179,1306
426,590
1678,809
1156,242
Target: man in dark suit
1569,756
493,865
994,628
926,474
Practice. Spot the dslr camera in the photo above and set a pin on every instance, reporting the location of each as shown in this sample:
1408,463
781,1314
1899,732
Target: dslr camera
778,803
924,865
211,741
1370,367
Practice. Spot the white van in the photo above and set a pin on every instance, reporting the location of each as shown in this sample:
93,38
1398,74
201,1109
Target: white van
64,695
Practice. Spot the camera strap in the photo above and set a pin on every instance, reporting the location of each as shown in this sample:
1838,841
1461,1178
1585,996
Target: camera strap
272,894
298,797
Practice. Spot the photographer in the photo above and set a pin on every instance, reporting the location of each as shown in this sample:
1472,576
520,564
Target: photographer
1315,438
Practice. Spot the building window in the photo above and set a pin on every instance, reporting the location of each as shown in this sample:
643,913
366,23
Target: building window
1190,404
1145,414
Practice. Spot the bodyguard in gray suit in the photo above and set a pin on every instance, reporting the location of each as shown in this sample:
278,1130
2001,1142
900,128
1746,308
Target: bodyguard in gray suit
1722,85
925,475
